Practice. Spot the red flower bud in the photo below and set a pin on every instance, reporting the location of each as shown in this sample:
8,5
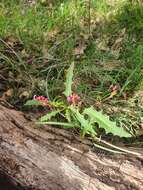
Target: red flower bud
42,99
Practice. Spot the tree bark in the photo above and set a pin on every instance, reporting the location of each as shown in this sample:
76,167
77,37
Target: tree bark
49,158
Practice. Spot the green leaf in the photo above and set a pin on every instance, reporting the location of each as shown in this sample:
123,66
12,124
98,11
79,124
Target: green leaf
69,81
105,123
33,102
48,116
87,128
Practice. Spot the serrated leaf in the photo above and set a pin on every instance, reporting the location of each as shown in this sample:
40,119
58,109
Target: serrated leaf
87,128
69,81
105,123
33,102
48,116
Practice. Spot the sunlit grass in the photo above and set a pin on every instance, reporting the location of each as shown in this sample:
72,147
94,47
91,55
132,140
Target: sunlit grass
48,34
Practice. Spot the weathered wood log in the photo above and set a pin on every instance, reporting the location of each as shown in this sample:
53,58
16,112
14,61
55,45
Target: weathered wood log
48,158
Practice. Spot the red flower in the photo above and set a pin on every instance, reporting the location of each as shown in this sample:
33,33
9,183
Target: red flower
42,99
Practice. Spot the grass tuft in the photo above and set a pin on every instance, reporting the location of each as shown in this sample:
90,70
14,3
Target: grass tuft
39,40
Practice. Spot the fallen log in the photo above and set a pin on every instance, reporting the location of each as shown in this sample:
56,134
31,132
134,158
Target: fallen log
49,158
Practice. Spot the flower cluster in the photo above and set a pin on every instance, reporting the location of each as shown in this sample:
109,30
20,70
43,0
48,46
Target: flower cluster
73,99
42,99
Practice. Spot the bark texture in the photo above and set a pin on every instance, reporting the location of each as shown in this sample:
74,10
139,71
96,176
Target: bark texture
48,158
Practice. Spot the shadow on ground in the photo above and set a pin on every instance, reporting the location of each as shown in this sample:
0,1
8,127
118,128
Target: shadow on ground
6,184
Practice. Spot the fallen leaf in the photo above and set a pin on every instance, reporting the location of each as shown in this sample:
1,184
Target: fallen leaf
117,46
117,43
80,49
85,36
139,130
11,41
24,94
102,44
111,65
116,53
24,53
51,34
8,94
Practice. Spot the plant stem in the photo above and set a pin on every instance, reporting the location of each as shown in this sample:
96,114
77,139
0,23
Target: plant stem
69,125
108,149
119,148
89,17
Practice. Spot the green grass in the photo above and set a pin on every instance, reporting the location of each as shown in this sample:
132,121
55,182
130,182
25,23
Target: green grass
38,44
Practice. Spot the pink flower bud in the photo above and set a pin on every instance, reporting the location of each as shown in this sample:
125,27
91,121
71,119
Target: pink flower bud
69,99
73,99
